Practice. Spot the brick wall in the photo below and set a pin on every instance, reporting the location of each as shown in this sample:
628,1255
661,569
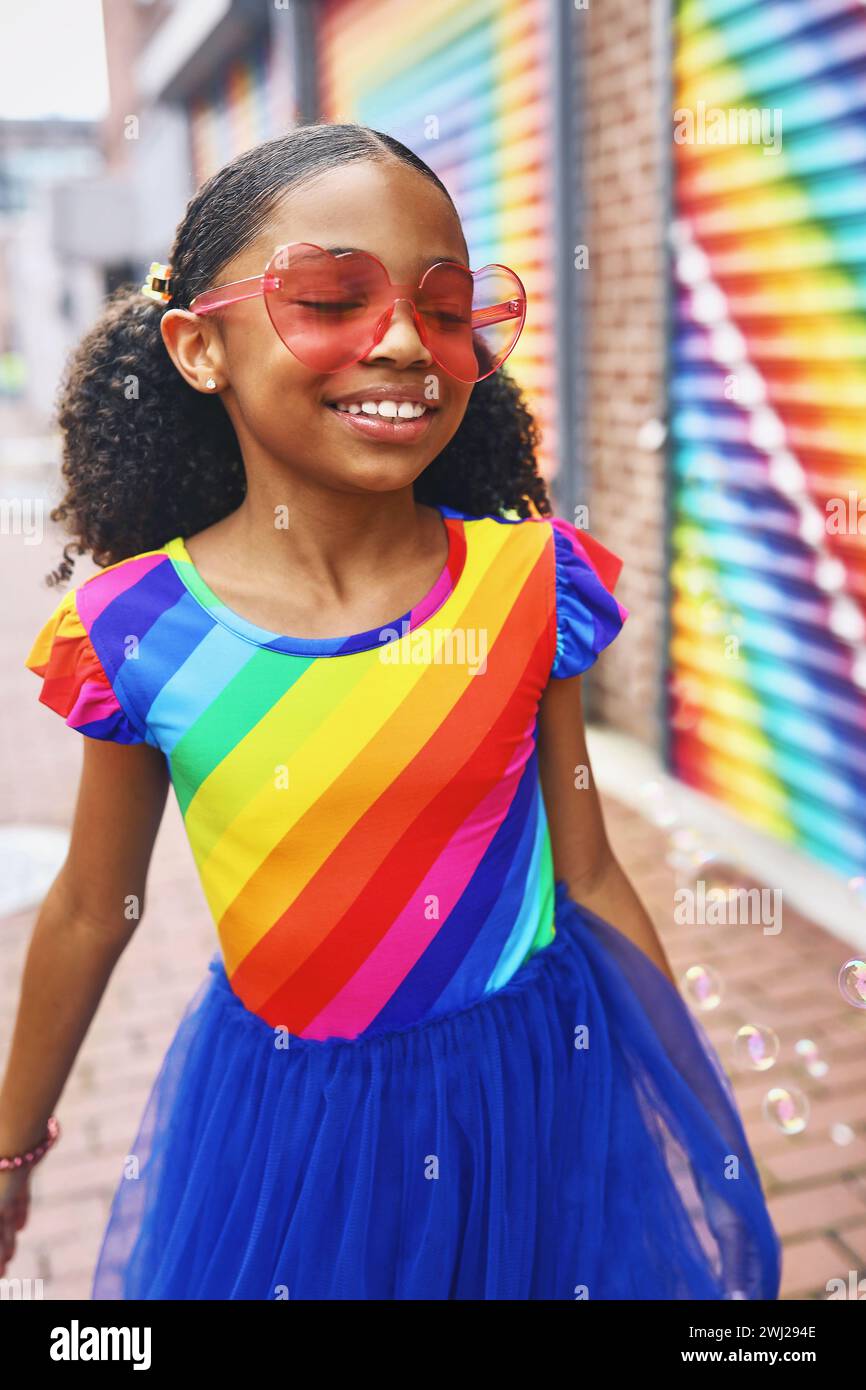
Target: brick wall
622,178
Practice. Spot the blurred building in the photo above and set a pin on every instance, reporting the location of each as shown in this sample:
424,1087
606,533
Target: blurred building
110,226
42,302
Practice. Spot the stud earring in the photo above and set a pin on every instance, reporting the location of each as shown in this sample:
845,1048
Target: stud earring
210,384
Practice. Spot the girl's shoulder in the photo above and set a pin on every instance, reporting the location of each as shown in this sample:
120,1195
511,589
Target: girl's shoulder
588,615
117,601
569,547
82,648
576,572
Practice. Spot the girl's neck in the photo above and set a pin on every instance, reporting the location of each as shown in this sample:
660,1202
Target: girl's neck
322,562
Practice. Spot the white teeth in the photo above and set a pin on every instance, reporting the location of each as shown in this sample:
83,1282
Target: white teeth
406,410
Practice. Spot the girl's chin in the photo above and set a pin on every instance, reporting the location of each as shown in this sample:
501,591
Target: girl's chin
379,477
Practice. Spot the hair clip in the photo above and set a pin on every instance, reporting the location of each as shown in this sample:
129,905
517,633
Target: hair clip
157,282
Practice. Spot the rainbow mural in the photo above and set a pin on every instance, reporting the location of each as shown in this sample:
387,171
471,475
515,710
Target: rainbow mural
768,416
466,85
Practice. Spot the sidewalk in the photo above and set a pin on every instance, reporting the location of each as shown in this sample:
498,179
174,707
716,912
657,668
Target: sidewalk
816,1184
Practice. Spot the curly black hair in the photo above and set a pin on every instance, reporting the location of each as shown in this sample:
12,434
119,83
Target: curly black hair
178,468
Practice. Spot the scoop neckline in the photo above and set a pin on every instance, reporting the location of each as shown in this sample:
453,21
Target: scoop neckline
422,612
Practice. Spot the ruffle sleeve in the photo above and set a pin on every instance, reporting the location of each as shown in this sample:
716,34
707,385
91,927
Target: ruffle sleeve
74,683
588,617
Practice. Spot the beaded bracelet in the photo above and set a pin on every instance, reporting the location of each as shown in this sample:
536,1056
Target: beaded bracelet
52,1134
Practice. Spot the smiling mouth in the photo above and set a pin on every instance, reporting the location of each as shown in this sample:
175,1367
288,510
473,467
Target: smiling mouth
384,422
385,410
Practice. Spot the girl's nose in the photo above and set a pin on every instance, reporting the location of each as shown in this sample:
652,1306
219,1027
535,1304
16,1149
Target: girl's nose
400,343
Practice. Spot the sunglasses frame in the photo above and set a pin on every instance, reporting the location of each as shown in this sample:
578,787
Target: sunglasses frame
236,291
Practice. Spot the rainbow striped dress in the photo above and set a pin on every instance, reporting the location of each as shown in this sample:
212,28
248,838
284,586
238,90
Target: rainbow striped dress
419,1069
365,813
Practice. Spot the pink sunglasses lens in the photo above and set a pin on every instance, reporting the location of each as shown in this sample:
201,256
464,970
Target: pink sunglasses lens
472,319
325,309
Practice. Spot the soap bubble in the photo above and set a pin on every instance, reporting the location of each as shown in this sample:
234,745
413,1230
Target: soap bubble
787,1109
687,853
843,1135
808,1053
659,807
702,987
852,983
755,1047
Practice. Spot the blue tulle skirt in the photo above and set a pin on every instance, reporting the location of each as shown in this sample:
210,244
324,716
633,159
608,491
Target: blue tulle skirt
571,1135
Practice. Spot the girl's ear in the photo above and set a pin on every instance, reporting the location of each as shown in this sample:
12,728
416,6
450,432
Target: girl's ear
194,348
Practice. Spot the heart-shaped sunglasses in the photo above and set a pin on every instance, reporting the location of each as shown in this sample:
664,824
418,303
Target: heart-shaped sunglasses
331,309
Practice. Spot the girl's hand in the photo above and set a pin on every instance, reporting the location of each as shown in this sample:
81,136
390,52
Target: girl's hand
14,1210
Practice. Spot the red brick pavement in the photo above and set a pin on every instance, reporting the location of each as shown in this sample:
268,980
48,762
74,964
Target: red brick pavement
816,1187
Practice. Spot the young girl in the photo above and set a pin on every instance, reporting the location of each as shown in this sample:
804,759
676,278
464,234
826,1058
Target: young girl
440,1054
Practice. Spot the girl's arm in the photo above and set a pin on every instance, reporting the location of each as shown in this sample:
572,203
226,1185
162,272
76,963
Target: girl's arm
582,856
86,920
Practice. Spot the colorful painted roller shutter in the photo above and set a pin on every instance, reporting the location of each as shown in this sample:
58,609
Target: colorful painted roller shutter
768,416
466,85
248,101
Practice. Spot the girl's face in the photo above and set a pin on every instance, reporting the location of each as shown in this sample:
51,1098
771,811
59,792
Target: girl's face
284,410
